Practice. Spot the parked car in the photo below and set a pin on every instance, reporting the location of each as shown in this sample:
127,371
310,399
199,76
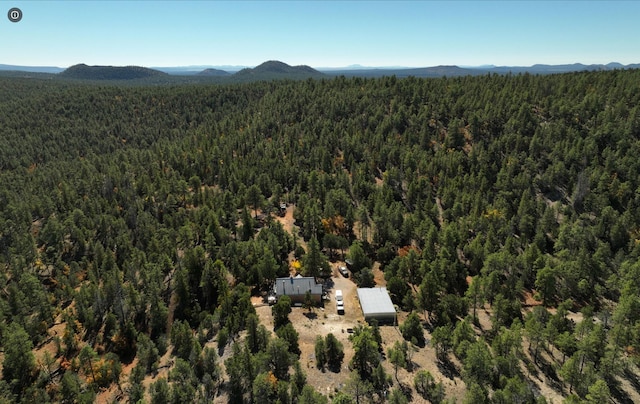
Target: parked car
339,302
344,271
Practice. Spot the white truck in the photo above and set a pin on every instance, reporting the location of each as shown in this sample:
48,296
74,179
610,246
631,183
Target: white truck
339,302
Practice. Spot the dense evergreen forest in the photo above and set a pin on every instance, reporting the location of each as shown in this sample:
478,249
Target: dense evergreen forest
129,229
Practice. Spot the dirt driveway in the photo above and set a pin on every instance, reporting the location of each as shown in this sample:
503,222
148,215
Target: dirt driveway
322,321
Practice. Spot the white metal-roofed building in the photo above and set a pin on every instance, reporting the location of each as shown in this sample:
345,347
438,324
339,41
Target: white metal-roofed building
296,288
376,303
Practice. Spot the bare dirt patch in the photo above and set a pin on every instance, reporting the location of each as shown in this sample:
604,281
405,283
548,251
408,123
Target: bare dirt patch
287,221
530,300
327,320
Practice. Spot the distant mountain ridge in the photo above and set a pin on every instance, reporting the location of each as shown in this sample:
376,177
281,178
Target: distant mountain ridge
273,70
566,68
213,72
276,68
31,69
82,71
456,71
195,69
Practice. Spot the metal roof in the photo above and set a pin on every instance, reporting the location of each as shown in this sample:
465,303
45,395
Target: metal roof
376,302
297,286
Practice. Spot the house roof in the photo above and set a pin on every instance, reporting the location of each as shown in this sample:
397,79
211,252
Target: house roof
376,302
297,286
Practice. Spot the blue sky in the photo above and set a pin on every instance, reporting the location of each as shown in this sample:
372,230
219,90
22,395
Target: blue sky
319,33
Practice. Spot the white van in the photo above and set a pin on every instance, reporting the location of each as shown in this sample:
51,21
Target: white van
339,302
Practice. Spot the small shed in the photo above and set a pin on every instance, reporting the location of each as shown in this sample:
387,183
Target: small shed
296,288
376,304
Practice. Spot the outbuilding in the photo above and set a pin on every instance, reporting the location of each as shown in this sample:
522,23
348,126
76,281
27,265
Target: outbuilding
296,288
376,304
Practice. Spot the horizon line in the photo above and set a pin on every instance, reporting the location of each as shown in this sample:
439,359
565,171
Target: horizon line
347,67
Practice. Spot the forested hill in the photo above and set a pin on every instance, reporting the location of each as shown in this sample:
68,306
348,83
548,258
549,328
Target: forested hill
274,69
503,212
213,72
82,71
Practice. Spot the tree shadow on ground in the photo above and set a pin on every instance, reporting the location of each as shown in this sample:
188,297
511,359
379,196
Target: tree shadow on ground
427,325
311,315
448,369
531,366
632,378
334,368
618,394
407,391
550,372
